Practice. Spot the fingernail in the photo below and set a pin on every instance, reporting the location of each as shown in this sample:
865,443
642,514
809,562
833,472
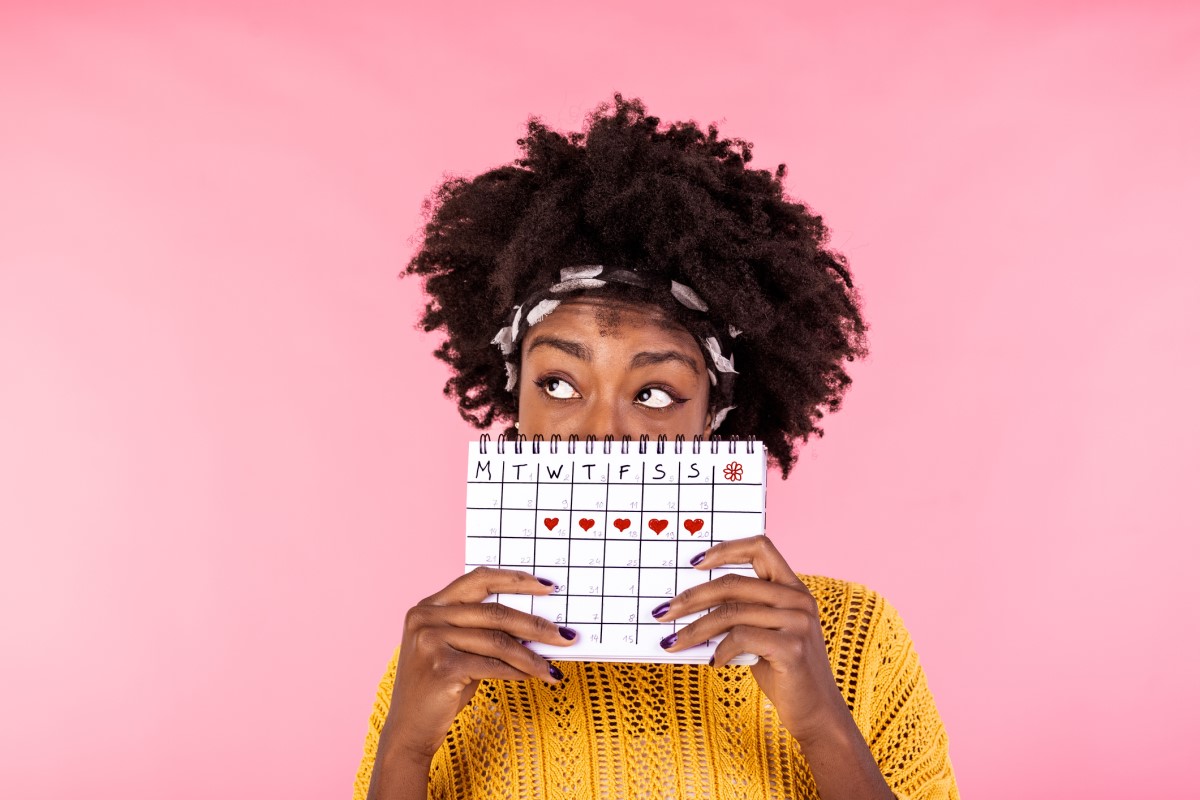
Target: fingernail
659,610
545,581
566,633
712,660
525,642
696,559
556,673
668,640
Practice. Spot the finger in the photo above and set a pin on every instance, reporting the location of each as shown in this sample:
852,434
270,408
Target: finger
772,646
491,616
758,551
724,618
483,581
736,589
477,654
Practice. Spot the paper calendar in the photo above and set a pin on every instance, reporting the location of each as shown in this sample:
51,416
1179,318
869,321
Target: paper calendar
613,524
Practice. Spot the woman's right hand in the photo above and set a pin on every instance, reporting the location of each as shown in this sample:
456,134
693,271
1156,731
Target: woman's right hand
452,640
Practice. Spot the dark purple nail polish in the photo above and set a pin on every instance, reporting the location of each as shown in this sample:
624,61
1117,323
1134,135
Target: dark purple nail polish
556,673
659,610
712,660
566,633
696,559
668,640
525,642
545,581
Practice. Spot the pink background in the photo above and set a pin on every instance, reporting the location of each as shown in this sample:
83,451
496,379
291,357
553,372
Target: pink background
219,429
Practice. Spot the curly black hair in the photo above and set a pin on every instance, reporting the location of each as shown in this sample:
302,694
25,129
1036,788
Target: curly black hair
676,202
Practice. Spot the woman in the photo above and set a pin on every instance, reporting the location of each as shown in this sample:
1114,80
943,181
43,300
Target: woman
629,281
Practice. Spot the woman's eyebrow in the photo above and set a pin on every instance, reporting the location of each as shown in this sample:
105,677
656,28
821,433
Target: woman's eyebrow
576,349
648,359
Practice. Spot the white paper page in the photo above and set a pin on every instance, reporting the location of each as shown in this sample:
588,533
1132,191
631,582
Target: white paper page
615,531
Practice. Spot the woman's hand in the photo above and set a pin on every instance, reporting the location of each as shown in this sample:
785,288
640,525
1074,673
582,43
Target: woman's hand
451,641
773,616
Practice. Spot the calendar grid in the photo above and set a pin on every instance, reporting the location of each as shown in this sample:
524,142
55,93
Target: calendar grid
537,485
637,629
500,524
605,589
604,557
570,536
678,536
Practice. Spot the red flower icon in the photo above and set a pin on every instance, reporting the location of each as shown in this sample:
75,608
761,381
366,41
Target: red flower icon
733,471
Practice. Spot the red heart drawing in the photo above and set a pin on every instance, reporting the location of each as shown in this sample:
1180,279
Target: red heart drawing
621,524
587,524
693,525
657,525
551,522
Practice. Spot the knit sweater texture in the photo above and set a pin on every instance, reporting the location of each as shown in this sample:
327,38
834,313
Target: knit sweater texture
626,730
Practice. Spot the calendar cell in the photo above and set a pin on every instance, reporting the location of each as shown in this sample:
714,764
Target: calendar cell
587,552
587,524
516,552
551,552
553,498
587,581
560,575
696,497
624,499
653,633
520,496
483,495
620,553
688,549
625,635
687,578
621,609
621,581
483,551
737,497
585,610
657,583
589,634
732,525
646,605
590,498
659,555
517,523
551,607
661,500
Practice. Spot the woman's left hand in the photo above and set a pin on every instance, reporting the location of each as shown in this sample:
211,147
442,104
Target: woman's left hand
773,616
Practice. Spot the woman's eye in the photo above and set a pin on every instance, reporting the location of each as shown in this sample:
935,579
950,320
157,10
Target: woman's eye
654,398
558,388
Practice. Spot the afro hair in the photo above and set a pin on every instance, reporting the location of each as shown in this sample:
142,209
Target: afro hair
679,202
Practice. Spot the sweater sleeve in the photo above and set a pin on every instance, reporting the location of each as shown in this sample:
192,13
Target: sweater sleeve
383,699
906,736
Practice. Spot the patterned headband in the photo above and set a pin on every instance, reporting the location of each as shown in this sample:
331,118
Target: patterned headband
594,276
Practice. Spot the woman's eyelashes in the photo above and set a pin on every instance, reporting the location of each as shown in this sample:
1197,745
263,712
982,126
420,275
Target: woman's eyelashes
657,397
653,397
554,387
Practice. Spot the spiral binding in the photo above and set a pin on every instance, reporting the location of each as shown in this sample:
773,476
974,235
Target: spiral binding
590,442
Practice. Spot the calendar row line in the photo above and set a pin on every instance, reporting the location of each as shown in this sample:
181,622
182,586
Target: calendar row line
498,551
616,584
598,526
617,512
684,499
615,471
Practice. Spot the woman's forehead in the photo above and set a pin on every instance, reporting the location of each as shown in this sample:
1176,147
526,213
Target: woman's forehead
590,316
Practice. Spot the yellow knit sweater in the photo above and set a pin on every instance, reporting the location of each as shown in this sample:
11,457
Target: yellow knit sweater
622,730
